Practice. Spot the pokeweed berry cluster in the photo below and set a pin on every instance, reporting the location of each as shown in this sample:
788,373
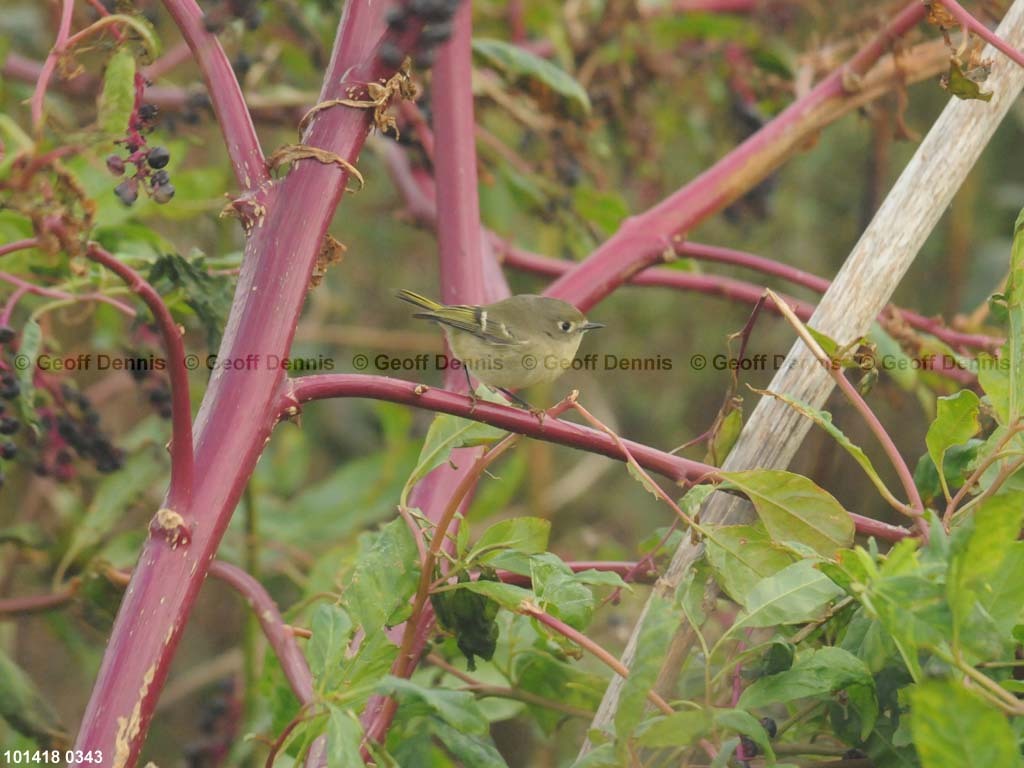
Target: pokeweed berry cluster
150,163
73,424
156,389
433,19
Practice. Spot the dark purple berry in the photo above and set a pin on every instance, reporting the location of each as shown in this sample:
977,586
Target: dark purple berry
8,450
158,157
426,58
241,64
63,457
127,191
9,426
140,373
433,34
159,178
115,165
433,10
750,748
390,54
769,727
396,18
148,112
163,193
6,334
165,411
10,391
41,469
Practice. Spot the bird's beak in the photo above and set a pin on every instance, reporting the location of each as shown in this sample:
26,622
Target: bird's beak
591,326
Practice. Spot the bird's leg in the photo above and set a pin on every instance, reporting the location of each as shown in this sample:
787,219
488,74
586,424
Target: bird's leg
538,412
473,400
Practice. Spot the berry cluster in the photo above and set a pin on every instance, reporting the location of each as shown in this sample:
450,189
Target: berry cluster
76,427
150,162
433,19
158,393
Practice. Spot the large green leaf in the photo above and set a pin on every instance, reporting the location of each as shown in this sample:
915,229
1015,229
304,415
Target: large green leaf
742,555
560,592
681,729
539,672
795,509
327,648
953,727
538,76
447,433
385,577
1015,310
796,594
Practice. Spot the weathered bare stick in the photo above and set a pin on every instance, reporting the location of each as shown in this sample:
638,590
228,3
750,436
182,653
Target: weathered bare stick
861,288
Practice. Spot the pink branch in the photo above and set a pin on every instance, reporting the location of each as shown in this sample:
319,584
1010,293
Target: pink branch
642,239
279,634
505,417
53,293
182,461
63,31
969,22
239,407
225,94
19,245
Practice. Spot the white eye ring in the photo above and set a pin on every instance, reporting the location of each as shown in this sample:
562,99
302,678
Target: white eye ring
565,326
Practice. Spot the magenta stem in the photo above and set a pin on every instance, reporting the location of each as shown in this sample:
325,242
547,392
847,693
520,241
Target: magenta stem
182,460
239,408
19,245
240,138
963,16
50,64
319,387
279,635
643,238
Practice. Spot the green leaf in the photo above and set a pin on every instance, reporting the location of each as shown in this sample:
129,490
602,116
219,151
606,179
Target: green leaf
746,724
742,555
523,534
681,729
824,420
457,708
994,378
795,509
25,709
819,673
327,648
726,434
1015,308
447,433
117,99
471,750
560,592
209,296
605,209
953,727
796,594
657,625
385,577
546,82
956,422
508,596
344,736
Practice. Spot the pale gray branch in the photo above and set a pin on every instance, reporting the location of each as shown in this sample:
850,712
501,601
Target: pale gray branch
859,292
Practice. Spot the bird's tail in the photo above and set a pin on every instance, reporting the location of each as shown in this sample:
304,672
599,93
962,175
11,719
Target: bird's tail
420,301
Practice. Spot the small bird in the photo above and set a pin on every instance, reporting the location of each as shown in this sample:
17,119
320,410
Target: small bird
512,343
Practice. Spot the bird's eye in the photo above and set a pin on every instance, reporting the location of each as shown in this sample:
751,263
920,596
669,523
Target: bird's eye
565,325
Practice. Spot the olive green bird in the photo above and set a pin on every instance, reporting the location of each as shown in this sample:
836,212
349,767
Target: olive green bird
513,343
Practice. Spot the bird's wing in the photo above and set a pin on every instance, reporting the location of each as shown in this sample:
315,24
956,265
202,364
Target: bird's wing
470,320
